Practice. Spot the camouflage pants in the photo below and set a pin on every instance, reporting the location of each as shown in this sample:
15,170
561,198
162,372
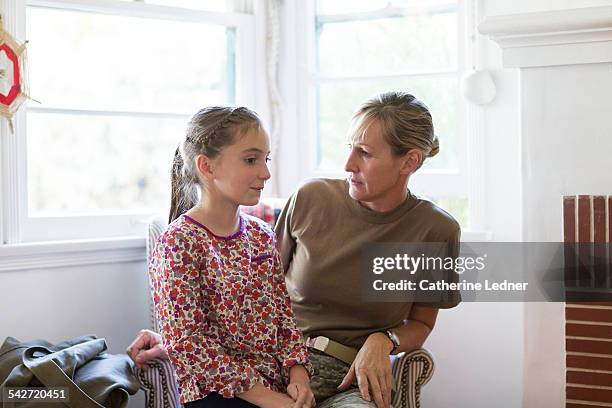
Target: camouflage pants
328,374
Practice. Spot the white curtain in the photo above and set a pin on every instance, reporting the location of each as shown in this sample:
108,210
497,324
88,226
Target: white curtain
268,14
275,103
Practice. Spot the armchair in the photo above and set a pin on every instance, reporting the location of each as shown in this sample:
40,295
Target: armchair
410,370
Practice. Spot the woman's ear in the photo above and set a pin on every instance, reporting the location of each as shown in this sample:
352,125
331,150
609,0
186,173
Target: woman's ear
205,166
412,161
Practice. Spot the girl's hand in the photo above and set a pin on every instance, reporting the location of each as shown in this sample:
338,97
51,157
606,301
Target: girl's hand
372,368
299,387
301,394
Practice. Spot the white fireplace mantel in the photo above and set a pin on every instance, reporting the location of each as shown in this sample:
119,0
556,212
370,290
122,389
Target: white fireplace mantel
561,37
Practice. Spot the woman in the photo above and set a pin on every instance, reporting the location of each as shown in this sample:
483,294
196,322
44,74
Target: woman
321,231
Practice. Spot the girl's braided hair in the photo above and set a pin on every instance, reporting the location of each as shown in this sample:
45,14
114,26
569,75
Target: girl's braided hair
208,132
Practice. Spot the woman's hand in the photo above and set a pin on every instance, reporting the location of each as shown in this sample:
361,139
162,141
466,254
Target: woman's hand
146,346
299,387
372,368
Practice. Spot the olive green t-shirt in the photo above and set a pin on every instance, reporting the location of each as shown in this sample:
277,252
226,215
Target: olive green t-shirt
321,231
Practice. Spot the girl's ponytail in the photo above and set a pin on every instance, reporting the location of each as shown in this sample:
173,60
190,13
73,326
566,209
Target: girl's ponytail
182,198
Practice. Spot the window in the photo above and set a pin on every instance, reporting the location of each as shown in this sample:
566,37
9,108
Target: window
361,48
117,81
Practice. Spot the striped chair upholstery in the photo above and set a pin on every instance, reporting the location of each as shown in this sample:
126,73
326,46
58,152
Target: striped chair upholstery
158,380
159,384
411,371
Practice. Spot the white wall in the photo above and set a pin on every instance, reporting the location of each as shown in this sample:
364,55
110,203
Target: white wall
478,350
566,150
55,304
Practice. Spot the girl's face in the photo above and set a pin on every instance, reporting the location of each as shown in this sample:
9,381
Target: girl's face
377,177
239,172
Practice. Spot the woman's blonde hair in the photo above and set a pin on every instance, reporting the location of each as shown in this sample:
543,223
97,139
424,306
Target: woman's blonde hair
406,122
208,132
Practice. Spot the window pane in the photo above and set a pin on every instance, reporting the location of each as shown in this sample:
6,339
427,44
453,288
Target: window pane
458,207
108,62
338,101
80,163
391,45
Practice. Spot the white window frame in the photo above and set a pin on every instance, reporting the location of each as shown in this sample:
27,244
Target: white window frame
465,181
17,225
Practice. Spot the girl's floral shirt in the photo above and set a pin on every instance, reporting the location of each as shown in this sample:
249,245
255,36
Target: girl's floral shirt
223,311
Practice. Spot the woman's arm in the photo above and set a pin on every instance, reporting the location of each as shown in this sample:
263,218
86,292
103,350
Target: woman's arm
372,367
286,240
419,324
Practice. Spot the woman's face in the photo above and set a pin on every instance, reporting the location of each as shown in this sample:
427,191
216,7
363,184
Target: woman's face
377,177
241,170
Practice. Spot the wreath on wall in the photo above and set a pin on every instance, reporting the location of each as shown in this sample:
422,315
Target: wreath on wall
13,78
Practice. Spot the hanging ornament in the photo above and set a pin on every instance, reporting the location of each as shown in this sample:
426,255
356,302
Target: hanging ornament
478,87
13,84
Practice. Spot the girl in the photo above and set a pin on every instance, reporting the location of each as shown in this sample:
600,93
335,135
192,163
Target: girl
217,282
